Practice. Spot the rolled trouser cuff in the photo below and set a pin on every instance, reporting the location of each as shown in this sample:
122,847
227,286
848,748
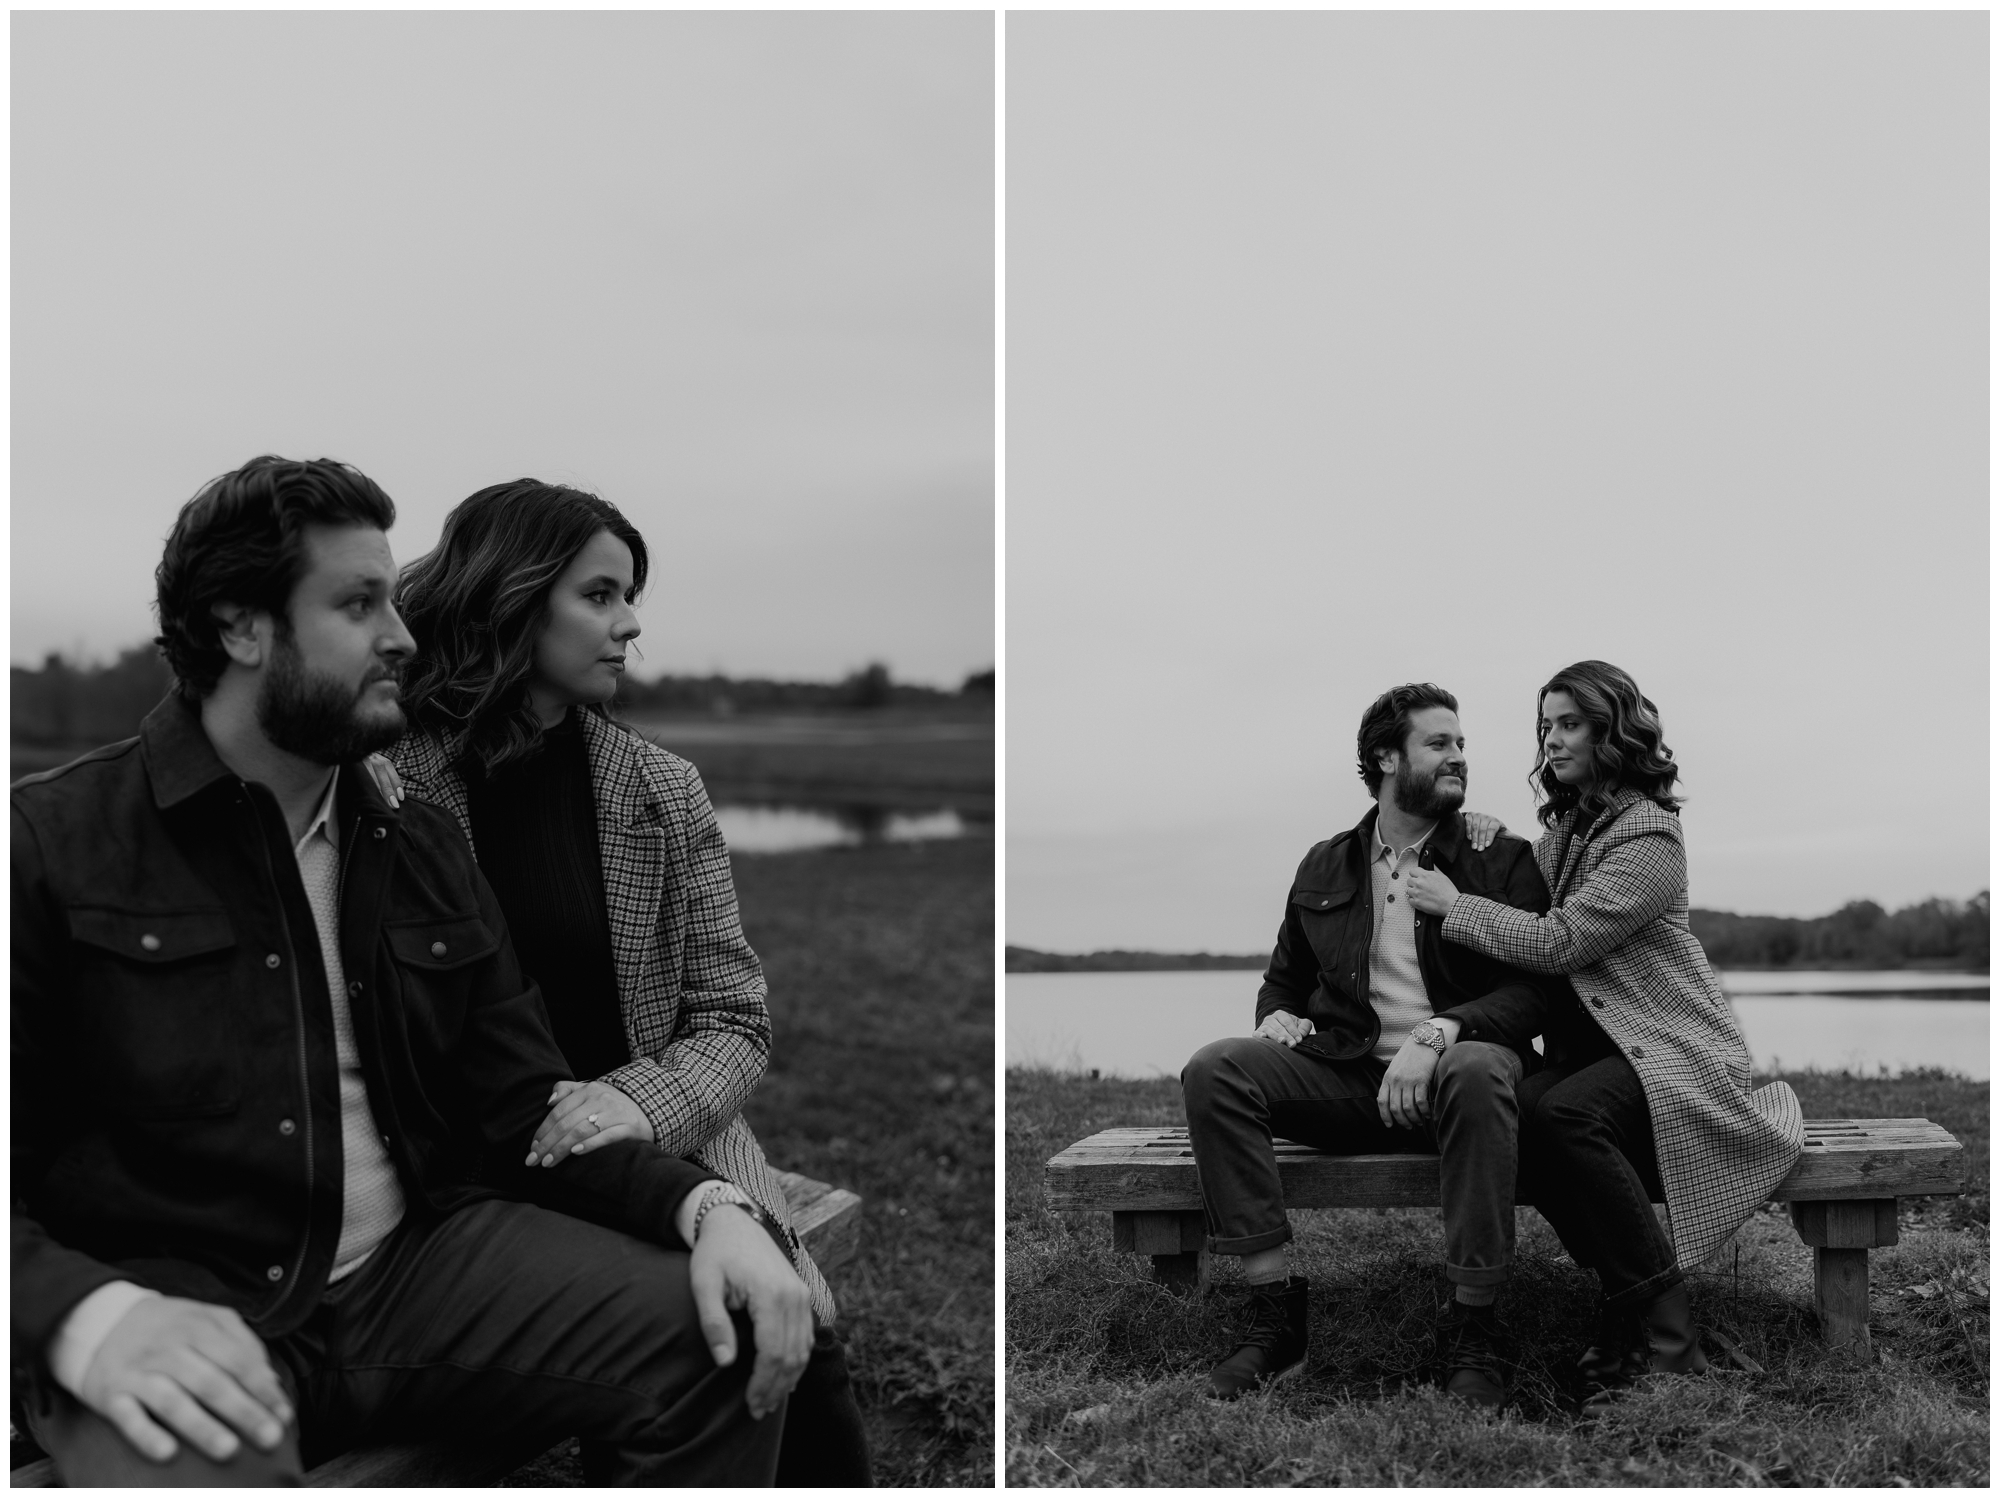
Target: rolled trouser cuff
1478,1275
1636,1297
1254,1244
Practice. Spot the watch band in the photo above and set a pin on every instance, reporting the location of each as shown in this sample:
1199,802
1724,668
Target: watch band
1434,1039
722,1194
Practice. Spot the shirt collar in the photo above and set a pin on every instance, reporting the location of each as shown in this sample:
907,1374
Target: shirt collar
1382,848
323,819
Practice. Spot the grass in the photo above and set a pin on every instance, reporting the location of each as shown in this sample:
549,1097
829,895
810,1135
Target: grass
1106,1369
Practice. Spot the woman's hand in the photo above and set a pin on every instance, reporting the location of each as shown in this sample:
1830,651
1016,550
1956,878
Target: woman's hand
1431,892
387,781
1480,830
585,1115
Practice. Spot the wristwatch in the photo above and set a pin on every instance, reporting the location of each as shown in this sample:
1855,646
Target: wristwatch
1429,1034
722,1194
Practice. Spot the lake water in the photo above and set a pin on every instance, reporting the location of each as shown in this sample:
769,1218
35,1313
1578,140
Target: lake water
792,829
1148,1024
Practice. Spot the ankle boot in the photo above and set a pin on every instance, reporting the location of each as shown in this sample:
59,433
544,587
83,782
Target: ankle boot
1274,1345
1673,1341
1616,1355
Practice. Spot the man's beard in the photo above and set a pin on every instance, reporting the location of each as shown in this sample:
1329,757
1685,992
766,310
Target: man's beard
315,717
1424,798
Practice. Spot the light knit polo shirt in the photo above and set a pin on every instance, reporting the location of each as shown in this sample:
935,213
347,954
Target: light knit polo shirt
1395,981
372,1197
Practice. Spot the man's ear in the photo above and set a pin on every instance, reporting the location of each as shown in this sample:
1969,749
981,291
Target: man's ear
243,631
1388,762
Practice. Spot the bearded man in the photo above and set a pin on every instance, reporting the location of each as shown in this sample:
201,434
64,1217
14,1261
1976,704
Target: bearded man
276,1069
1375,1035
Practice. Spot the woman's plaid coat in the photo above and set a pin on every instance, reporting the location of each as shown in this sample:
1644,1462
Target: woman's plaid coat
691,990
1619,929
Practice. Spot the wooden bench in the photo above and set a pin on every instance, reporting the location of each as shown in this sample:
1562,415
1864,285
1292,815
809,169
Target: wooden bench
827,1218
1842,1194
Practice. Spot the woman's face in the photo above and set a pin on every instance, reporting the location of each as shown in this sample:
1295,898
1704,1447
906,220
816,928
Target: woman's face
580,653
1566,739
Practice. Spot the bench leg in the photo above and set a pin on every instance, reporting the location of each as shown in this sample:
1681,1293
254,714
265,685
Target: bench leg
1840,1294
1174,1240
1841,1233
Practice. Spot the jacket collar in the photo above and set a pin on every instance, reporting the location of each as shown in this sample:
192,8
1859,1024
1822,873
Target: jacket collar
180,760
1446,842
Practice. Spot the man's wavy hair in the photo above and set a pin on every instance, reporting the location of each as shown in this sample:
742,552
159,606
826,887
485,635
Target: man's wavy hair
477,603
1386,724
1628,745
241,540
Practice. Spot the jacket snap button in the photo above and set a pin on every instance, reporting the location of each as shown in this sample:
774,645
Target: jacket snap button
287,1127
1326,902
380,833
271,959
437,949
150,942
354,988
275,1272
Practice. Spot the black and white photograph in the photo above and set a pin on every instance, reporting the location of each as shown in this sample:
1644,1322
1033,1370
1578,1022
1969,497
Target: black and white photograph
504,754
1496,741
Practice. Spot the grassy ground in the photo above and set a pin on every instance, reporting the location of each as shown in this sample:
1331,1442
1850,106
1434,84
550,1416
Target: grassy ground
1105,1369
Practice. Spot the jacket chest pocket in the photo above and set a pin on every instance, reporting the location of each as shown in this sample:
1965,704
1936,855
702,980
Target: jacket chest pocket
156,1000
1327,917
436,959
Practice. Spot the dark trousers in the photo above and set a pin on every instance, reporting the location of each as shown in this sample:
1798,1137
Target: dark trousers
500,1319
824,1445
1587,1163
1242,1091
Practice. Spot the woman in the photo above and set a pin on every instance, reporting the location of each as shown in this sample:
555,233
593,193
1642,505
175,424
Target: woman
606,858
1647,1087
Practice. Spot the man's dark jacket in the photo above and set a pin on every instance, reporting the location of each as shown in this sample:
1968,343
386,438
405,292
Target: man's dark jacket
176,1094
1320,966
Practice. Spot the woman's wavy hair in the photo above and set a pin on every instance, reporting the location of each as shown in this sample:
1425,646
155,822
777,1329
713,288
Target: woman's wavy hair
1628,745
477,603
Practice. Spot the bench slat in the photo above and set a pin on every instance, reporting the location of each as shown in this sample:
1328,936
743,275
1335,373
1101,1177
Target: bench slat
1152,1169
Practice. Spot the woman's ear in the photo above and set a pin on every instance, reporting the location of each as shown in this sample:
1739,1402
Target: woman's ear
242,632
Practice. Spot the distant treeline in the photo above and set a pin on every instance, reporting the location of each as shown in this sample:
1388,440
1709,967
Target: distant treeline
1936,933
59,703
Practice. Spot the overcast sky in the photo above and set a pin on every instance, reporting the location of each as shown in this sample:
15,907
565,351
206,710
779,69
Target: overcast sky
1352,349
732,271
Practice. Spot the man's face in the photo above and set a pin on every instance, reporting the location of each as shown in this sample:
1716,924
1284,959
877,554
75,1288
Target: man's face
331,688
1428,780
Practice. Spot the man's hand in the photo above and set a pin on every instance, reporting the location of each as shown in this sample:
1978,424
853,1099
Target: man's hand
737,1264
183,1363
1284,1027
1404,1100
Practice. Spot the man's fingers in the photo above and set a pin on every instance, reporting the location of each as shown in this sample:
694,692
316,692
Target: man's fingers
181,1413
783,1322
716,1328
236,1351
129,1418
225,1398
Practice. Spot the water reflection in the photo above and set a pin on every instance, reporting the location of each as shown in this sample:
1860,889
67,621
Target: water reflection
792,829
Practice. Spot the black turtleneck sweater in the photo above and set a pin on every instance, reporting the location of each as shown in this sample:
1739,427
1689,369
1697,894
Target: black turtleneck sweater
534,826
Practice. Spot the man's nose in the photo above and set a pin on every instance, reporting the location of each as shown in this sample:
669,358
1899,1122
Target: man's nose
397,639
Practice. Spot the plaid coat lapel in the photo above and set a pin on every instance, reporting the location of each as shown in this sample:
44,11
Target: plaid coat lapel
632,845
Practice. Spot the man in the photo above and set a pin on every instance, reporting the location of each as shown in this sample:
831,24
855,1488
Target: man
1374,1035
276,1071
